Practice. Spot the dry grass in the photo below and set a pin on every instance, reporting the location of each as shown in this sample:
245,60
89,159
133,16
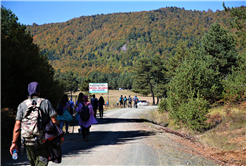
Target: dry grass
229,137
157,117
226,142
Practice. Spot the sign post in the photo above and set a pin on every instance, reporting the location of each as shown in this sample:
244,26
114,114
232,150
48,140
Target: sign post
99,88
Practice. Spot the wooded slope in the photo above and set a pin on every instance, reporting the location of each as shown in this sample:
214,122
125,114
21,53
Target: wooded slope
113,42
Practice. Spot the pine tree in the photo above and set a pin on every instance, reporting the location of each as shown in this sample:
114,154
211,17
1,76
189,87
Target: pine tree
239,15
220,47
193,85
143,81
159,74
182,52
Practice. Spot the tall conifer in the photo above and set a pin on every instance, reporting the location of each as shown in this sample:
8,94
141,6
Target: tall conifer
220,47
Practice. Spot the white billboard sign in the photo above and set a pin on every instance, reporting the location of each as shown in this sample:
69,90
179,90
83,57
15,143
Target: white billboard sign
98,87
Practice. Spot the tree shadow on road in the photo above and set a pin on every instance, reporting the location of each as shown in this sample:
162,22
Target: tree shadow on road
120,120
75,144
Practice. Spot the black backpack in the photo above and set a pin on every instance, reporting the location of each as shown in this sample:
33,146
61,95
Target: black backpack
95,104
85,112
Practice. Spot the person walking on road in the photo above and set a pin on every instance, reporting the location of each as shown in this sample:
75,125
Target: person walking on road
125,101
37,154
129,101
80,100
86,125
121,101
64,112
101,103
94,103
135,100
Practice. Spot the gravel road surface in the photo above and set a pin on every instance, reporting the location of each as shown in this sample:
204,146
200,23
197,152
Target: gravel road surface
123,138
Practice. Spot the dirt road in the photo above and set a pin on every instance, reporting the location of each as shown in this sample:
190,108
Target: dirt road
123,138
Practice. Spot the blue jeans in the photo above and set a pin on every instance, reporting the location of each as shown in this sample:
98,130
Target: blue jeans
62,123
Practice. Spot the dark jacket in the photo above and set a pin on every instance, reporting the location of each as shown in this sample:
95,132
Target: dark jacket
53,135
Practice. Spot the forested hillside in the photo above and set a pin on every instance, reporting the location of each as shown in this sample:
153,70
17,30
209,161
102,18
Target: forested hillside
112,43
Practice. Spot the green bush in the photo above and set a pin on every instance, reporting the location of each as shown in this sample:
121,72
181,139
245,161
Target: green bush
190,112
193,83
234,86
162,105
193,113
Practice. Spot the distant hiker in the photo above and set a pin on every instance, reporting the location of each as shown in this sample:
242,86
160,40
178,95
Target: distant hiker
94,103
129,101
64,115
135,100
101,103
125,101
85,122
38,153
71,104
121,101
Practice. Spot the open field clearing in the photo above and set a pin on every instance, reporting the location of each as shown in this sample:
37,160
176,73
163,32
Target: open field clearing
114,95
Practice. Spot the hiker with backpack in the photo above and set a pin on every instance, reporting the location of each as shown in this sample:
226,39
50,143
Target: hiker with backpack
94,103
101,103
71,104
64,115
135,100
129,101
86,116
121,101
125,101
33,115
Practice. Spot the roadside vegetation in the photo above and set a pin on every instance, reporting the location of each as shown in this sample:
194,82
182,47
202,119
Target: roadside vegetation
226,139
21,64
206,95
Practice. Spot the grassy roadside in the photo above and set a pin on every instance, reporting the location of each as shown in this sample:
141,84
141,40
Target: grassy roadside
226,141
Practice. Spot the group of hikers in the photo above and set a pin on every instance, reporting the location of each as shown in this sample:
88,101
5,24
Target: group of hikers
41,126
84,111
128,101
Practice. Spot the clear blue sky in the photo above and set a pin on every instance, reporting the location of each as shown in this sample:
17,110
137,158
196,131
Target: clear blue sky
41,12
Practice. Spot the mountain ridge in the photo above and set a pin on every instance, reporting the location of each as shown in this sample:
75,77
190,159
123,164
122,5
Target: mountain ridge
94,43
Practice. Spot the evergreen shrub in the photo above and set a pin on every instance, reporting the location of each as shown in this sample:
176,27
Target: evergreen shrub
163,105
193,83
234,86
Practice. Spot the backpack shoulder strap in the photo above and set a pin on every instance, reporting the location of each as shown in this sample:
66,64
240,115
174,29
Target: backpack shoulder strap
39,101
